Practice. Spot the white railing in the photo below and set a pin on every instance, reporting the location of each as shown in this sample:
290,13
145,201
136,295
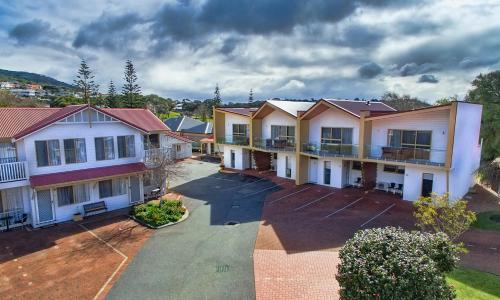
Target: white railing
157,155
12,217
13,171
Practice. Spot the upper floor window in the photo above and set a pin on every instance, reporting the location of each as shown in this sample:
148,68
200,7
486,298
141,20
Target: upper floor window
240,129
331,135
48,153
151,141
283,132
74,151
72,194
104,148
126,146
420,139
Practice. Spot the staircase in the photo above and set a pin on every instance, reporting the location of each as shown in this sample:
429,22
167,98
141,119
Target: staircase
262,160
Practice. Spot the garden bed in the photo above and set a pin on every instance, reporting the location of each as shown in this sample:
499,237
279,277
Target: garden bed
159,213
489,220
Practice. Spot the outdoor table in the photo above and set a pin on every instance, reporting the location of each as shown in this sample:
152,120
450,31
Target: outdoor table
7,219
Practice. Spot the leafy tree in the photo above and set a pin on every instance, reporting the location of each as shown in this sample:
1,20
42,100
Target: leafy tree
390,263
112,99
486,91
7,99
62,101
445,100
405,102
250,96
202,112
85,82
159,105
439,214
131,90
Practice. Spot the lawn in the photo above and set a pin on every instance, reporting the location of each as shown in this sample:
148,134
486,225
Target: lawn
485,221
471,284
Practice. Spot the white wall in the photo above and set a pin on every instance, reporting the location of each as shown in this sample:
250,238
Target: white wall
235,119
412,188
238,152
276,118
333,118
69,131
281,165
336,172
466,149
389,177
436,121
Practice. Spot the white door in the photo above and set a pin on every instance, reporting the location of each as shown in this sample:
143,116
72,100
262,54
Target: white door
135,189
45,206
346,173
313,170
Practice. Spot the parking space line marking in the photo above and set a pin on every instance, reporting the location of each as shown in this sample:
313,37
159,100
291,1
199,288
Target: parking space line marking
341,209
125,258
314,201
239,186
223,179
290,195
264,189
379,214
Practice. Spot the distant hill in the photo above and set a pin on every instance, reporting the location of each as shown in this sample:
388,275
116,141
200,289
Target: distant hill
26,77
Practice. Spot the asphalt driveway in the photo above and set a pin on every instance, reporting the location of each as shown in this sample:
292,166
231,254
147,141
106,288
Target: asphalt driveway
202,258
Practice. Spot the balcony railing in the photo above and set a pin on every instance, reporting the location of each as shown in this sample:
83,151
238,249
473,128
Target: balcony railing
330,150
233,140
278,145
13,171
435,157
12,218
156,156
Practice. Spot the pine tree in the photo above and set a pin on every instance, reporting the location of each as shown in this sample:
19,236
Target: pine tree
217,99
112,98
250,97
85,82
131,89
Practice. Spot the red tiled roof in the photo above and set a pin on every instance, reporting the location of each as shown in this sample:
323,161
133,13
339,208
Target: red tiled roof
238,110
14,120
140,118
178,136
355,107
85,174
56,116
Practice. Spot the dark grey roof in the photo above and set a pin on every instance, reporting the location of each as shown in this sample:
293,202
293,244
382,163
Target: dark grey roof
187,124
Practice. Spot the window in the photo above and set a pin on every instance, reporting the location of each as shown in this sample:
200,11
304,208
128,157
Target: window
283,133
74,151
288,167
327,174
420,139
178,148
356,165
104,148
240,129
151,141
48,153
126,146
68,195
394,169
330,135
112,187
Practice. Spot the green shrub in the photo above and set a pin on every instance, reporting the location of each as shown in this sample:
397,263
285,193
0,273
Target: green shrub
390,263
161,213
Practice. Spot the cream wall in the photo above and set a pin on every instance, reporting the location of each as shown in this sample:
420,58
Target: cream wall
333,118
281,165
276,118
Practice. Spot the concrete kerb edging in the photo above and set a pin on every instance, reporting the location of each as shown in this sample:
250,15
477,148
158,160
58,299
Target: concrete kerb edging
184,217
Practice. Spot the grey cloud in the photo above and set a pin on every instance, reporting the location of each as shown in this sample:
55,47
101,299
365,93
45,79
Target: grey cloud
33,32
109,32
369,70
473,62
357,36
427,78
414,69
418,26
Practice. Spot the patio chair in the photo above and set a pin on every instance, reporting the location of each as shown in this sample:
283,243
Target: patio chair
358,183
381,186
22,220
399,189
392,187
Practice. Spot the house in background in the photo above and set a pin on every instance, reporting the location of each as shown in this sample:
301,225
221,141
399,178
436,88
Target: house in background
201,133
341,143
54,161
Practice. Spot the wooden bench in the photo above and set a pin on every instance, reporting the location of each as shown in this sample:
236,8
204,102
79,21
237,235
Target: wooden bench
94,208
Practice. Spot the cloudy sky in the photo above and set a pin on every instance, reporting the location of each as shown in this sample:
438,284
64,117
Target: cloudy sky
278,48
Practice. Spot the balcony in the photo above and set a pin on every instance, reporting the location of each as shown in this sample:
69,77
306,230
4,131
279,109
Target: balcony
155,156
239,140
433,157
330,150
13,171
275,145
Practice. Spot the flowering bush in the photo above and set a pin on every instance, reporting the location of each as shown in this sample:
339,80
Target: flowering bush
390,263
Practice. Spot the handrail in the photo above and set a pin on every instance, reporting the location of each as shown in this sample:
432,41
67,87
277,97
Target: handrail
406,154
13,171
330,150
278,144
234,140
